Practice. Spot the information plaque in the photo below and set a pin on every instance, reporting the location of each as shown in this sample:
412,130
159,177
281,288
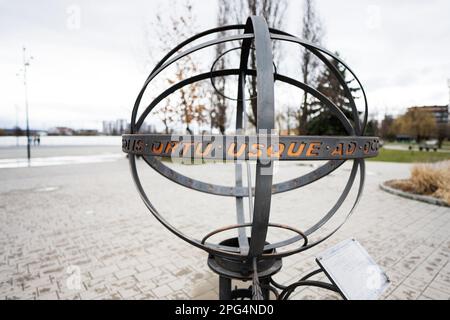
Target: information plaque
353,271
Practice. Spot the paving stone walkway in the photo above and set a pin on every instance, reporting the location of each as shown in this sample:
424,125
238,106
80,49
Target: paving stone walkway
82,232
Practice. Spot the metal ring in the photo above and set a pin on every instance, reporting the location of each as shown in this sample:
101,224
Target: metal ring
280,187
212,77
277,35
251,147
245,225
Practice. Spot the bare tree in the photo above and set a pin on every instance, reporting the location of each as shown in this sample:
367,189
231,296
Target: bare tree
168,115
218,109
290,114
280,120
274,13
190,108
312,32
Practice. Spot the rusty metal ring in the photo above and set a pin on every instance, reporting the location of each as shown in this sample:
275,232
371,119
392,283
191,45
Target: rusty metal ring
251,147
245,225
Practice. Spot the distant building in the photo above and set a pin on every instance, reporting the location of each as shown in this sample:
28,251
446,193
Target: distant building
440,113
60,131
108,127
87,132
116,127
147,128
121,126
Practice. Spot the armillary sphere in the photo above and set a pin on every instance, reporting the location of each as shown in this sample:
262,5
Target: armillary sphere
250,256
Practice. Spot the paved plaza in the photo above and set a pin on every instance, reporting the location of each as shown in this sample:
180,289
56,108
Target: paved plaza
81,231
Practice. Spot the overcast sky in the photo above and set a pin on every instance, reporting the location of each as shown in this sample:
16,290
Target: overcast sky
89,60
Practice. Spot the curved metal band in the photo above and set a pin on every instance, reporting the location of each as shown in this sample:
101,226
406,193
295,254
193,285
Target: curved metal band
328,215
222,251
251,147
227,191
265,120
361,164
245,37
244,225
331,166
240,127
281,187
195,37
312,177
317,94
220,190
213,69
277,35
275,31
226,251
317,51
133,127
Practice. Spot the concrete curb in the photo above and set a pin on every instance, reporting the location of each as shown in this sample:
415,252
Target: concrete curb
418,197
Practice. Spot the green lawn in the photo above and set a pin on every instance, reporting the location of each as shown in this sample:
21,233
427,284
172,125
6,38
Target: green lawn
410,156
446,145
415,146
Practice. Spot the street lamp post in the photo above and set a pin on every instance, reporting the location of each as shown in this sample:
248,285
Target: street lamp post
26,63
448,83
17,125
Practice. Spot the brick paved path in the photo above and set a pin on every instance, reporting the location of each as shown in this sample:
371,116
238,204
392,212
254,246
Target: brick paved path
82,232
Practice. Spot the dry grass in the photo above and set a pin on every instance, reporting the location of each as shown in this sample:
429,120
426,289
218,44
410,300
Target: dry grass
427,179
